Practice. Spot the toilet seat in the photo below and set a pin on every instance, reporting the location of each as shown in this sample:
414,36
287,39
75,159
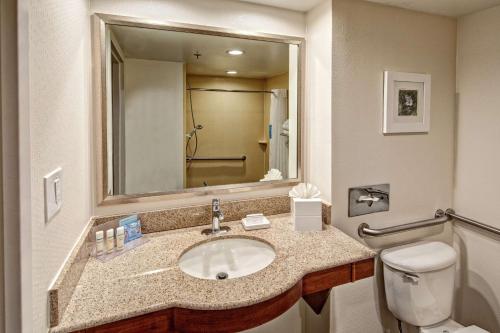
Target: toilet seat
451,326
448,325
471,329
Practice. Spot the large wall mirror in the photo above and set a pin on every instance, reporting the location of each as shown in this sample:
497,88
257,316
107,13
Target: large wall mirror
189,109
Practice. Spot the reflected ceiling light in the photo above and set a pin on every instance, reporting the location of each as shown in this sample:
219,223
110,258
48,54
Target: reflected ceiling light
231,72
235,52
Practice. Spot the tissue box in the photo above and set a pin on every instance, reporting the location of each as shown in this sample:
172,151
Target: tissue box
308,223
306,214
306,207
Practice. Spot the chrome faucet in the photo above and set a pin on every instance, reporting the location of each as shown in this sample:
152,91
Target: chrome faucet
217,218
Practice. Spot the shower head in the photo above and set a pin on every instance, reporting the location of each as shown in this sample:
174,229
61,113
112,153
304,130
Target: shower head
194,130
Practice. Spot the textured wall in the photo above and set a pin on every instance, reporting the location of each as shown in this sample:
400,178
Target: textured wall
477,165
232,126
154,138
318,99
368,39
59,119
218,13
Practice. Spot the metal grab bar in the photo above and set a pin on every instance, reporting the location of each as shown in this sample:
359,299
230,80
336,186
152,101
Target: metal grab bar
440,217
451,213
231,90
239,158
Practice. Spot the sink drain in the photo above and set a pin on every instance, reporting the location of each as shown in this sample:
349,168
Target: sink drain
221,276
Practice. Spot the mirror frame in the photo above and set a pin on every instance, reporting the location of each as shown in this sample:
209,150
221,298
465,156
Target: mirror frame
99,22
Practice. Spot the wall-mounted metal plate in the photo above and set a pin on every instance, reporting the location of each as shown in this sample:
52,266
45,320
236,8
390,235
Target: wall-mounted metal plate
368,199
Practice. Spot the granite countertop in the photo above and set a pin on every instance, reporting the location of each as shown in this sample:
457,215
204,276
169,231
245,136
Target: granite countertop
148,278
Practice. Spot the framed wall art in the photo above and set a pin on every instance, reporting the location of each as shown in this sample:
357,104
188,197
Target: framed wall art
407,102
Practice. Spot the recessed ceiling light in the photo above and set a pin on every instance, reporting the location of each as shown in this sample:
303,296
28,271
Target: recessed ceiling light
231,72
235,52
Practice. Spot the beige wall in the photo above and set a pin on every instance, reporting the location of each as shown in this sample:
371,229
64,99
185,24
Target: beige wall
477,167
3,45
276,82
232,126
368,39
59,46
16,165
317,127
154,139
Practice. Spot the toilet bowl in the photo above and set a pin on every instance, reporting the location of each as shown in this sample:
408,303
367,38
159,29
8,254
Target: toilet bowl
419,284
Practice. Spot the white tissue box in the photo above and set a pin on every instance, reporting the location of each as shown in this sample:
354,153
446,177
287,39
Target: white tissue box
306,214
306,207
308,223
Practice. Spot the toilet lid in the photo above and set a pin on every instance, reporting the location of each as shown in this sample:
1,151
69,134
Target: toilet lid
420,257
471,329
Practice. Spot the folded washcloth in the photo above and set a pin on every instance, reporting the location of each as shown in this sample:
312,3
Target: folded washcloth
286,125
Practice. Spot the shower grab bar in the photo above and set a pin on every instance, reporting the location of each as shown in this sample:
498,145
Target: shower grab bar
440,217
239,158
231,90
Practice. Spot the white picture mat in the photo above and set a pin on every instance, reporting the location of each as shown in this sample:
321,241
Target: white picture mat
395,81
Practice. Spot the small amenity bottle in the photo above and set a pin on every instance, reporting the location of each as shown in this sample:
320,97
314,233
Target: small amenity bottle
99,242
110,240
120,238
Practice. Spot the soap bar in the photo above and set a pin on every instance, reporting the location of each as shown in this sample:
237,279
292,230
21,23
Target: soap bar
306,207
254,218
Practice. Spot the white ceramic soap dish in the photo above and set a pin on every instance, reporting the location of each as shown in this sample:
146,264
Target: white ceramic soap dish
255,221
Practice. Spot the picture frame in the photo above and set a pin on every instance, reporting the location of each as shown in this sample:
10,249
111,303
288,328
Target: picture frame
407,102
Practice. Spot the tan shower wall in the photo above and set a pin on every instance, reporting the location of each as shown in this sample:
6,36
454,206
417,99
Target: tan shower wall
232,126
276,82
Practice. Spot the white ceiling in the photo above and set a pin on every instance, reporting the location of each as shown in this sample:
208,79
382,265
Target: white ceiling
299,5
260,60
441,7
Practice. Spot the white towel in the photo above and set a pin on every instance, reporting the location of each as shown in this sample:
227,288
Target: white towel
273,174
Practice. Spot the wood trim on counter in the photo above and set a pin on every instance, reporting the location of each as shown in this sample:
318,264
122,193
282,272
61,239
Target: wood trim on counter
314,288
363,269
326,279
235,320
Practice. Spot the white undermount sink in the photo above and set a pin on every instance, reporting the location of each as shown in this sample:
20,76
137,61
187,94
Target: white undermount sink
226,258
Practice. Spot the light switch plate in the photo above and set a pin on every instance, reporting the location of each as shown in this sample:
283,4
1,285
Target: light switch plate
53,193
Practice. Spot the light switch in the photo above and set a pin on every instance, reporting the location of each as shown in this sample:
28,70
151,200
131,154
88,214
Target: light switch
53,193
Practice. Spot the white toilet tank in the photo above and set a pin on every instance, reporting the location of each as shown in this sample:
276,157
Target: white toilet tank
419,282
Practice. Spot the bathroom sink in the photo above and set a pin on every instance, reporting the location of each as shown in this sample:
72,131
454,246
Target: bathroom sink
226,258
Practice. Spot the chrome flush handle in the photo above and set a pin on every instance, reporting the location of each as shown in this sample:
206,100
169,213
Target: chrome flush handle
410,277
369,199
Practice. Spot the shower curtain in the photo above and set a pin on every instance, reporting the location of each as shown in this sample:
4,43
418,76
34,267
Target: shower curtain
278,135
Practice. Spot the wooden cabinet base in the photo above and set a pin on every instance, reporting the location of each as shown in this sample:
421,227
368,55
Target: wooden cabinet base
314,288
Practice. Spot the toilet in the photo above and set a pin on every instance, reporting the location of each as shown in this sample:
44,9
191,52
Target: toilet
419,283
